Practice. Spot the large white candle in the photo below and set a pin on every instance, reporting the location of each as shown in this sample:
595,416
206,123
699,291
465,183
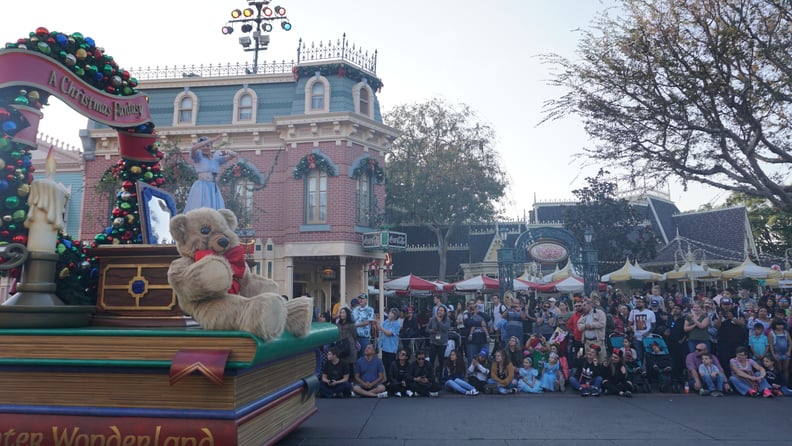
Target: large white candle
47,201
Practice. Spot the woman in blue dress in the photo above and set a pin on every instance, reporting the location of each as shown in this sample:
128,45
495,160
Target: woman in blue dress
204,193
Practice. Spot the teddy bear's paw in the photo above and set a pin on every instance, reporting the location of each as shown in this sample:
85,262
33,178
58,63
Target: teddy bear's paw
299,315
265,316
211,274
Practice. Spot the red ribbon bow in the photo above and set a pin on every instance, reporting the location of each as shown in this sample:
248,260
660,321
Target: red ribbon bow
236,257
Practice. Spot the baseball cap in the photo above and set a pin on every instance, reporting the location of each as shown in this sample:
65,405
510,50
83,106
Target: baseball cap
552,299
484,352
354,302
726,300
363,296
638,298
655,303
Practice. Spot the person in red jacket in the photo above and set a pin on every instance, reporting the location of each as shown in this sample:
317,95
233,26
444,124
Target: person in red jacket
572,327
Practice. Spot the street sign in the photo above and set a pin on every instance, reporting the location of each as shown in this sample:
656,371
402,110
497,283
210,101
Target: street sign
385,240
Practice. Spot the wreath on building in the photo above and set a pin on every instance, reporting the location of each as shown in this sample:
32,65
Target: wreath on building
370,167
240,171
313,161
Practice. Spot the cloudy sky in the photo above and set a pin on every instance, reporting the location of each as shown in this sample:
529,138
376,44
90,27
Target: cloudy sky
484,54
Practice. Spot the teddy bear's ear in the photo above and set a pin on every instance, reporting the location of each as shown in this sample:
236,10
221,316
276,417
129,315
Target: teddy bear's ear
178,228
230,218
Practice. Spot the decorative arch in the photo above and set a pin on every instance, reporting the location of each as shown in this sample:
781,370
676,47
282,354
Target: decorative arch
534,236
310,105
76,70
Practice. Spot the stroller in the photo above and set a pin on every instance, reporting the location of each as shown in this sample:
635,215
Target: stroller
635,370
657,360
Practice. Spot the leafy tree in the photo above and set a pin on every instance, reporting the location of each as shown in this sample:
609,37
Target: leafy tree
618,227
771,227
697,89
442,171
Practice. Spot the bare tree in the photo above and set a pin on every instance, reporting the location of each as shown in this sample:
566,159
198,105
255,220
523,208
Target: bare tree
696,89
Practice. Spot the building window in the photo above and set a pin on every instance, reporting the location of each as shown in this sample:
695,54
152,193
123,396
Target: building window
316,197
317,96
185,108
243,195
245,104
362,97
364,102
245,108
363,202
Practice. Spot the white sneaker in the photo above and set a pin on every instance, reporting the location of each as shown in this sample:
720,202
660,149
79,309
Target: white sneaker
468,393
354,395
434,394
410,393
382,395
474,392
398,394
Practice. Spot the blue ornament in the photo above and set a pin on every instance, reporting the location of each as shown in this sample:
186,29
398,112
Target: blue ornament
67,243
108,230
10,128
26,161
3,185
94,273
61,39
98,77
90,42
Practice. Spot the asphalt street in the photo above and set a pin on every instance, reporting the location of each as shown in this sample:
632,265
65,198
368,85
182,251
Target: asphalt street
548,419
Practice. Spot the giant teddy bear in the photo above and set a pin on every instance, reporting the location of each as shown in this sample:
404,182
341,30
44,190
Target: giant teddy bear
215,286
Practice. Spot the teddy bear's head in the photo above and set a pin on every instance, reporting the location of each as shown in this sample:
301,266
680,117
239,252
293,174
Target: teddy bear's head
204,229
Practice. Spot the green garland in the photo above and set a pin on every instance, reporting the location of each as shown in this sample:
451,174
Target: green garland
240,170
340,70
83,57
370,167
313,161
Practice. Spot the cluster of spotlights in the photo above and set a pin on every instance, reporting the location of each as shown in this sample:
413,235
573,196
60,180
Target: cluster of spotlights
242,15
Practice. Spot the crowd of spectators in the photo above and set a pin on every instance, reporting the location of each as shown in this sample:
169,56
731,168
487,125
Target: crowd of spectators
616,343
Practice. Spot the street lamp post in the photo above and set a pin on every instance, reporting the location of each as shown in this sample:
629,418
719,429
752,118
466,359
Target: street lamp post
505,263
254,20
590,261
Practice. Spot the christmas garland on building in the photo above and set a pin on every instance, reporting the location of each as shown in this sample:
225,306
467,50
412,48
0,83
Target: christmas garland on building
242,170
370,167
340,70
313,161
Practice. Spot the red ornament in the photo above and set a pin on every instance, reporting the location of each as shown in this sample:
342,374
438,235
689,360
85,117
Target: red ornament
22,239
128,185
42,31
5,233
116,212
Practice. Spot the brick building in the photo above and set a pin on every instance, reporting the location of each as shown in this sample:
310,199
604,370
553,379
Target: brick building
312,128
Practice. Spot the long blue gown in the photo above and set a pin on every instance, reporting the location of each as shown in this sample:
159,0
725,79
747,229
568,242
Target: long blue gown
204,192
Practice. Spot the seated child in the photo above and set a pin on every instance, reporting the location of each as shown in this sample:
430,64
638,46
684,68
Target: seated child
528,382
774,378
552,376
712,379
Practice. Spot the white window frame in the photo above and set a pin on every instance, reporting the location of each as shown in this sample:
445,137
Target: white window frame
177,109
316,197
238,106
356,99
309,95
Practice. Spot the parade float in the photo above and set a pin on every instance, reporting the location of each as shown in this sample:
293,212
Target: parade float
93,346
